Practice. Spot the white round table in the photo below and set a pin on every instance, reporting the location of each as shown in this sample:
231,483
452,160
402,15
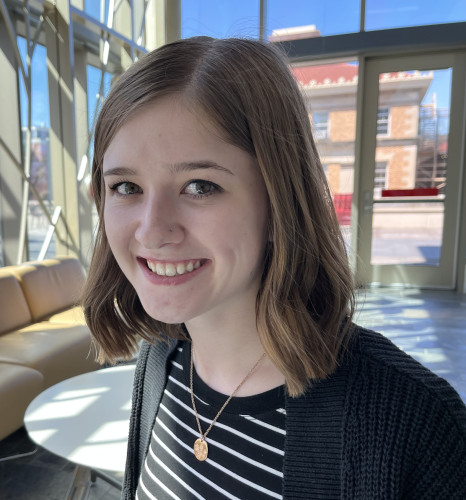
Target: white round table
85,419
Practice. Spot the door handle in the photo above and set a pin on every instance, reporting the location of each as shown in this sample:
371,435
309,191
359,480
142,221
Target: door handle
368,201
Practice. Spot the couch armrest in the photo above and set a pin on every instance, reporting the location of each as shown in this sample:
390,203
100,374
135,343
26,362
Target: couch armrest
51,285
14,310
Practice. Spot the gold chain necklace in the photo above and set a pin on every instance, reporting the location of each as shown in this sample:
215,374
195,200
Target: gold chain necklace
201,449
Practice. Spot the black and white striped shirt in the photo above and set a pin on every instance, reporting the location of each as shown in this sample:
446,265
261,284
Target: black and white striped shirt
246,444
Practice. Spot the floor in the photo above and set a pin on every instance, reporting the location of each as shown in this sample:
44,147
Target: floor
429,325
42,475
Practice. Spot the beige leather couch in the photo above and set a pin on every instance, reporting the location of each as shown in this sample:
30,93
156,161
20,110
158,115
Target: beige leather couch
43,336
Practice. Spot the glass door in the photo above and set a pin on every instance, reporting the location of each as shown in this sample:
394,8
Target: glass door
329,90
411,162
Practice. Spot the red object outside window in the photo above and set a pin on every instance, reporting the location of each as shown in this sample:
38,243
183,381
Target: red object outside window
386,193
342,204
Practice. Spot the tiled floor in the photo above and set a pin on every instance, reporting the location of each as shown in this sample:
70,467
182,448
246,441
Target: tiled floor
41,476
431,326
428,325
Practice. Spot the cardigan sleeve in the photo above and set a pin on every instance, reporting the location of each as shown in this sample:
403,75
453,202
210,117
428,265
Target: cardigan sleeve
132,468
404,428
149,382
439,470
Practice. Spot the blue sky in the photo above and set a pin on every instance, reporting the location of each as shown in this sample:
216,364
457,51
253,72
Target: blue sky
40,96
331,17
223,18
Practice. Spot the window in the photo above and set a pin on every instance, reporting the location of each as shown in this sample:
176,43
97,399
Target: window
320,124
380,178
311,18
383,115
402,13
220,18
38,125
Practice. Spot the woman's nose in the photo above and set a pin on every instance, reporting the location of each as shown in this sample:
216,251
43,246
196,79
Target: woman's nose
158,223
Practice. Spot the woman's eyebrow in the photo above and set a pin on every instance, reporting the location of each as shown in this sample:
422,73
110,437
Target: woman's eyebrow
198,165
119,171
175,169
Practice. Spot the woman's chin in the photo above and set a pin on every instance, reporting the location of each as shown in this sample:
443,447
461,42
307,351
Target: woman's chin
164,316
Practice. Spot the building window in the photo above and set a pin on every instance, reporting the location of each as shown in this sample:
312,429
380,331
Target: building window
380,178
383,115
320,123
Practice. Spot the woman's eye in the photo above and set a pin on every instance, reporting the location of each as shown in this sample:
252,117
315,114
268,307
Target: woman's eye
126,188
201,189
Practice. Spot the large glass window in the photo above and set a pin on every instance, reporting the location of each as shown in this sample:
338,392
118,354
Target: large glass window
411,167
98,9
305,18
220,18
59,60
40,176
387,14
122,14
98,86
330,94
310,18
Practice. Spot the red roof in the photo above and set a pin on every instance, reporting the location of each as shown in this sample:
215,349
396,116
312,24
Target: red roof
442,147
341,73
326,73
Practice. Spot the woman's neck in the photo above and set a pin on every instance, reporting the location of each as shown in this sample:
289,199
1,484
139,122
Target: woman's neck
224,356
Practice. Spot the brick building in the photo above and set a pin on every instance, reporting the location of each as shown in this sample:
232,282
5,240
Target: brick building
330,92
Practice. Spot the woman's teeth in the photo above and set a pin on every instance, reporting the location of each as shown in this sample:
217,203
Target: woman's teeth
172,268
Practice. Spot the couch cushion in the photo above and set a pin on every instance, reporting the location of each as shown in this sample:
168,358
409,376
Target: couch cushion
51,285
74,315
19,385
58,351
14,310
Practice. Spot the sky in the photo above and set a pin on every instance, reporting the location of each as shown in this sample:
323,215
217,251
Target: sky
222,18
331,17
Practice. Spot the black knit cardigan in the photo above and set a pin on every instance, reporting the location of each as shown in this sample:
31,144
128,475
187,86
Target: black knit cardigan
382,427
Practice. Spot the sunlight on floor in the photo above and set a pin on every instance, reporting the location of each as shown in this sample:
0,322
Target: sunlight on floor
428,325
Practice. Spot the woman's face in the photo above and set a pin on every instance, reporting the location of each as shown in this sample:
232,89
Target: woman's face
185,215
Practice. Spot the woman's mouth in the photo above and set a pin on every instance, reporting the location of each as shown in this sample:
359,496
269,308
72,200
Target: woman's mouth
173,268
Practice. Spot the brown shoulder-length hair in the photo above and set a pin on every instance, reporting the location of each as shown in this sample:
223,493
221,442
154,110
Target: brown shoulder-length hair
305,301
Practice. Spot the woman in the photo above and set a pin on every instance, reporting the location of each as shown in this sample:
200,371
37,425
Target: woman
219,247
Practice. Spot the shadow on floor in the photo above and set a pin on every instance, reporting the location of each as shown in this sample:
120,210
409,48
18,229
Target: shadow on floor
42,475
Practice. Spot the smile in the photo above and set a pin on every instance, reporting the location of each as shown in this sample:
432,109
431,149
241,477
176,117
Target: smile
173,268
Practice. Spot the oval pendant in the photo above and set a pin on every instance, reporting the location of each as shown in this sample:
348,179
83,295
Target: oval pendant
200,449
